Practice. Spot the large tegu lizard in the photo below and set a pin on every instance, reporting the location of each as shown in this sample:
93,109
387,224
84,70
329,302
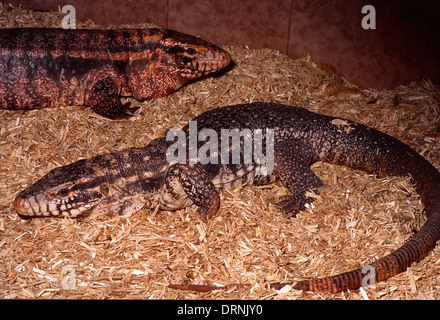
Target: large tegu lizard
42,67
291,139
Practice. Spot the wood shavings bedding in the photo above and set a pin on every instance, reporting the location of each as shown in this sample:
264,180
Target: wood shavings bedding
360,219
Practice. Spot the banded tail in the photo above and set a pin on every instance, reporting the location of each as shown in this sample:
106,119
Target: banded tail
381,154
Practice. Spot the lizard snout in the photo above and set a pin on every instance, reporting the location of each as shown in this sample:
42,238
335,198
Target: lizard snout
23,207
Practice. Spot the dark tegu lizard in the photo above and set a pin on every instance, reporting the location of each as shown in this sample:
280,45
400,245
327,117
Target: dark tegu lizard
123,182
42,67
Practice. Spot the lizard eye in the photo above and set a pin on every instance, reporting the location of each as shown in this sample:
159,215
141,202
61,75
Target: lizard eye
63,192
104,188
191,51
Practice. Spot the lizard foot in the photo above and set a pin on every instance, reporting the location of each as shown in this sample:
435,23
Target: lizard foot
293,204
210,209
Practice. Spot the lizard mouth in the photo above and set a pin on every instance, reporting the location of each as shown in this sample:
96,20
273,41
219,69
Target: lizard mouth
201,67
36,207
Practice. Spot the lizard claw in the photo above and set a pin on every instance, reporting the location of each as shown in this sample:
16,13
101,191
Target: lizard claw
293,204
208,211
126,111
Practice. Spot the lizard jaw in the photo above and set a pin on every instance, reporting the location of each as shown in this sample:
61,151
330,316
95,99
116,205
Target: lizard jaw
212,62
42,206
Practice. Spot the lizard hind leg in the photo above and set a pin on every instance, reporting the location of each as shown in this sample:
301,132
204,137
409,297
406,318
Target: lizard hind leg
104,99
188,183
292,160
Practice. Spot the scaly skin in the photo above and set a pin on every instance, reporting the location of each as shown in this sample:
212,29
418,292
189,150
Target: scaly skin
124,182
42,67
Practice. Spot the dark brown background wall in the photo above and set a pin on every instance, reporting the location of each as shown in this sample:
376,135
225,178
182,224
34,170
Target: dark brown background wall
405,45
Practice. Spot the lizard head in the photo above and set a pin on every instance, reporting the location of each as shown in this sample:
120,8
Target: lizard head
103,185
173,61
63,191
192,57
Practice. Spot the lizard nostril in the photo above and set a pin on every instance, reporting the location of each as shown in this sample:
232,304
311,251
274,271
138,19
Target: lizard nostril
17,204
21,206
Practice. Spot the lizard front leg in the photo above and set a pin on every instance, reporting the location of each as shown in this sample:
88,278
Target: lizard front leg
190,182
291,166
104,99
